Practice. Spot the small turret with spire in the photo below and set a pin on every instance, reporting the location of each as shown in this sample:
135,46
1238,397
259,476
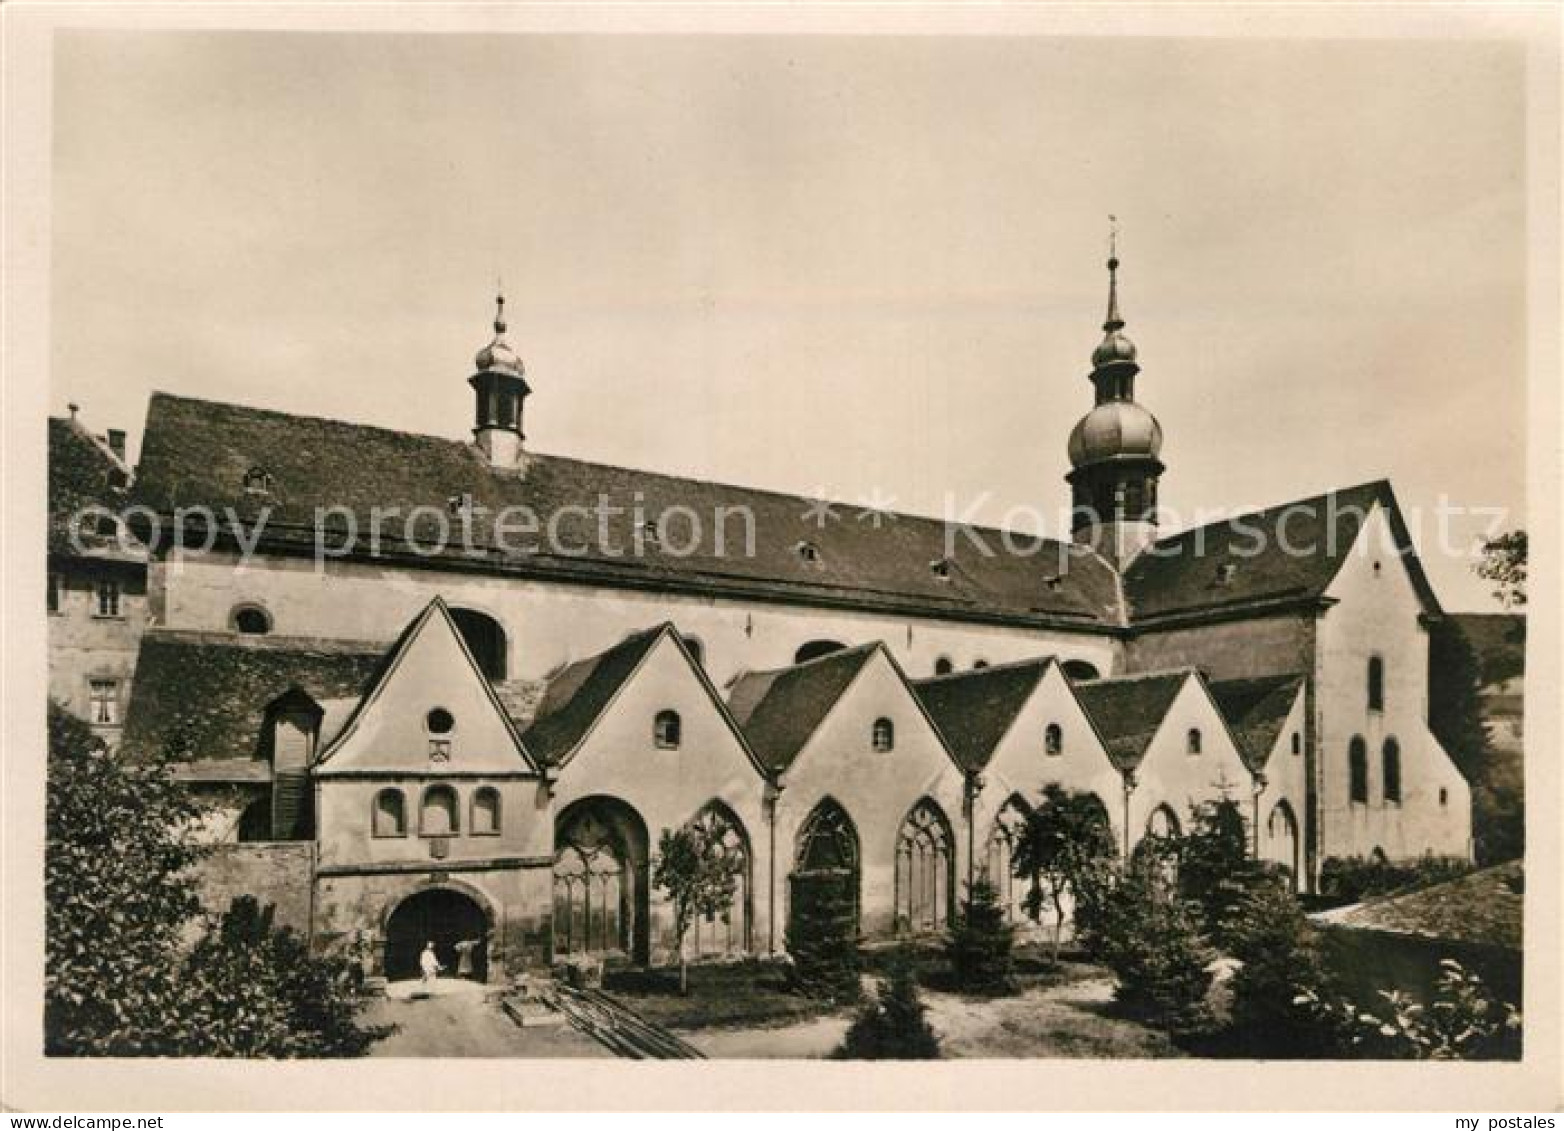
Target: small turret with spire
1114,449
500,385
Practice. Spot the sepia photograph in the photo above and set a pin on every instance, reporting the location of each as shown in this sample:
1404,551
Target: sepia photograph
577,543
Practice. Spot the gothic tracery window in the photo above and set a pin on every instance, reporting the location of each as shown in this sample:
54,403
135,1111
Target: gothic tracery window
999,859
923,870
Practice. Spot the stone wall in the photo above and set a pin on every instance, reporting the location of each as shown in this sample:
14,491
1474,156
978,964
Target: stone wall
549,623
279,873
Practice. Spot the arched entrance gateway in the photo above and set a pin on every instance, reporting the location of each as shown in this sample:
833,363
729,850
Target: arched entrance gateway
444,917
601,883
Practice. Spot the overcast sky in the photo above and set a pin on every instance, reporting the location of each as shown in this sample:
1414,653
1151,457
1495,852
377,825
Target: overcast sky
854,265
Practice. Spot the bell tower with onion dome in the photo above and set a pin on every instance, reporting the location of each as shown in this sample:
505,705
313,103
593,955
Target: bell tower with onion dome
1114,448
500,385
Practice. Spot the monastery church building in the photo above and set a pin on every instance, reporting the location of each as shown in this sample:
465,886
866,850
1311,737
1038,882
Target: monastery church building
478,744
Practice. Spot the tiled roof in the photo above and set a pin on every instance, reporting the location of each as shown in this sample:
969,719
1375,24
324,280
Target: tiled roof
1483,907
577,694
1127,710
1255,710
975,709
198,452
202,696
1287,552
1499,642
779,710
82,473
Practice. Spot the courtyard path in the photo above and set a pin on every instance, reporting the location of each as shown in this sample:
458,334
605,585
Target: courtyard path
1071,1020
459,1019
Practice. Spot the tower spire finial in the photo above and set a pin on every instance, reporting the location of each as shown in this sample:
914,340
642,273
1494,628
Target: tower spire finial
1114,322
499,305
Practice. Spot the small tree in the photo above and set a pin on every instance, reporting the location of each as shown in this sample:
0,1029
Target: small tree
822,936
979,944
1065,850
698,876
1215,870
893,1026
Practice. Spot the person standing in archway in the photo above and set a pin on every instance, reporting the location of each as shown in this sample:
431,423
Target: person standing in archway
464,963
429,964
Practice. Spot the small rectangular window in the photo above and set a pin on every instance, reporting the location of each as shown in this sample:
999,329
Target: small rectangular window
54,592
105,702
108,598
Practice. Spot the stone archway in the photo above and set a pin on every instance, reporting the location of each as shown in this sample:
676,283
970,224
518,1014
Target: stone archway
925,870
826,852
445,917
601,881
1282,839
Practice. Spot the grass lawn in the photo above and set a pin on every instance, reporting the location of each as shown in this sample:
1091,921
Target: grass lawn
748,994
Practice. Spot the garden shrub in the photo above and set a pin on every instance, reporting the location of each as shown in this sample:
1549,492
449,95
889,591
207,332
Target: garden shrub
822,937
980,944
1464,1021
1353,878
892,1026
1281,961
1150,938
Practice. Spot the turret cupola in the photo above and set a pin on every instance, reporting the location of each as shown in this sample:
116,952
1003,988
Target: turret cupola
500,385
1115,448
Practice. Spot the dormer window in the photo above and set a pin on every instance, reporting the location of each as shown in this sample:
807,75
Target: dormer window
1225,573
940,568
1053,739
460,504
807,552
1054,583
883,736
667,730
258,481
650,534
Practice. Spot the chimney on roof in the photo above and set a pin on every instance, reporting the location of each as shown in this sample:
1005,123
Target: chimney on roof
116,438
75,408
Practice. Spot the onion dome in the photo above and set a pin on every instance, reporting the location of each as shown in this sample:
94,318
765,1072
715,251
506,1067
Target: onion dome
1115,430
497,356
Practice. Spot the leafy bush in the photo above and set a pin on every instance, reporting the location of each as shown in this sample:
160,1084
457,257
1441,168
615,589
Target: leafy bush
980,943
822,937
117,895
119,977
253,989
1353,878
1150,938
1463,1022
893,1025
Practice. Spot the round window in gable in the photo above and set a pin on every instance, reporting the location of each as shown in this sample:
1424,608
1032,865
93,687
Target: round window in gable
440,721
251,620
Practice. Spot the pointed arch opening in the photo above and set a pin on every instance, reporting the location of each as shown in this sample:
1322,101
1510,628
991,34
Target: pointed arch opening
601,880
827,849
727,931
1281,839
925,870
1163,822
999,856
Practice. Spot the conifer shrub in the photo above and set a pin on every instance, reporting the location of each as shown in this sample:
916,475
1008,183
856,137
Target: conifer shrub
979,947
1150,938
892,1025
822,937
